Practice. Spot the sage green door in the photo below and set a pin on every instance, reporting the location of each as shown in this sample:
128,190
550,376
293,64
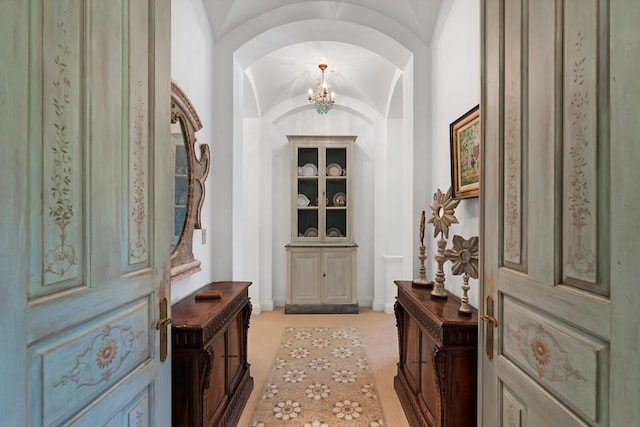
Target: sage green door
84,212
559,203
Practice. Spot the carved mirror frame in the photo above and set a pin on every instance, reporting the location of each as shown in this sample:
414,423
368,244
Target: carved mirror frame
183,115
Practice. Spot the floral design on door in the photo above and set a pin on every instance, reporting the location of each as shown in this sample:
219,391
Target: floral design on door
543,352
580,257
512,181
61,210
101,359
138,244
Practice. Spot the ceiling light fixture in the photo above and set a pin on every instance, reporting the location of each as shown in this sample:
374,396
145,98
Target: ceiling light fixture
323,98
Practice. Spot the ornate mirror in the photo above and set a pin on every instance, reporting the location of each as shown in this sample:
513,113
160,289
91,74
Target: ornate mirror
189,174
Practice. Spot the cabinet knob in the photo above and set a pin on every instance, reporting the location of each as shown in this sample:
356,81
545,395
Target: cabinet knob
324,274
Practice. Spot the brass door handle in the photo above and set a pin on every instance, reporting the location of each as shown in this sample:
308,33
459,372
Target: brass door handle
488,318
162,325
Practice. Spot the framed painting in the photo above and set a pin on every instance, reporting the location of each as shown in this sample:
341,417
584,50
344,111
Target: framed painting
465,154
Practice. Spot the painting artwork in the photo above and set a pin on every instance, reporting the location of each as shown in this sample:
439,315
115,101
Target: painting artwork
465,154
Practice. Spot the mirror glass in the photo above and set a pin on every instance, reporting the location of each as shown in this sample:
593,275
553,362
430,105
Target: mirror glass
189,174
180,182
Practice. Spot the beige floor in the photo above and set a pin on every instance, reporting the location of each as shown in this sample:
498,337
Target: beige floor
379,333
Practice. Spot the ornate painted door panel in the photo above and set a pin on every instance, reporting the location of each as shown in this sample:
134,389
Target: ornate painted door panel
556,265
89,118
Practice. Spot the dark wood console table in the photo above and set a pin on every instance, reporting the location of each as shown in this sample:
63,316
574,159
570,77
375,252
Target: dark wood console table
210,373
436,380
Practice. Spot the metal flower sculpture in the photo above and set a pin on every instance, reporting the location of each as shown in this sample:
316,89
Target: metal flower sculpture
464,256
464,260
442,209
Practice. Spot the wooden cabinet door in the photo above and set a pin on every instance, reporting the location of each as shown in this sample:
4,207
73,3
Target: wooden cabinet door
336,278
306,277
559,201
85,238
235,351
412,353
429,394
216,385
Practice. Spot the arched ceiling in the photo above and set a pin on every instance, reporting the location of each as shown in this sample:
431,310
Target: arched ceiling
293,70
362,73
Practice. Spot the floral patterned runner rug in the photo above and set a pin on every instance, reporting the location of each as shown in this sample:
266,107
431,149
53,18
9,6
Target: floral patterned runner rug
320,378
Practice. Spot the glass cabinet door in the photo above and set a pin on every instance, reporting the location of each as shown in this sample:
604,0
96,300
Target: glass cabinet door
321,208
308,190
336,193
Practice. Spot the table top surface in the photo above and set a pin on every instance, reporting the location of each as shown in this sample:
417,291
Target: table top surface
444,310
189,313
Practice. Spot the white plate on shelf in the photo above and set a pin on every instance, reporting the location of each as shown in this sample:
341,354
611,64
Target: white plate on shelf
339,199
334,232
303,201
311,232
309,169
334,169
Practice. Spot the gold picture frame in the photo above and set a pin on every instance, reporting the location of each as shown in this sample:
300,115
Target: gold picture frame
465,154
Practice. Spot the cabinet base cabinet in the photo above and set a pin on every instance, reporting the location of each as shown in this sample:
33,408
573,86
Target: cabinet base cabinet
436,380
321,280
210,380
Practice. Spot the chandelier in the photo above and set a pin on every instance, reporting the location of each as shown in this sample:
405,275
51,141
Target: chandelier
323,98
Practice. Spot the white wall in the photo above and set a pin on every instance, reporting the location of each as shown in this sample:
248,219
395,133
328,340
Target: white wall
191,68
456,89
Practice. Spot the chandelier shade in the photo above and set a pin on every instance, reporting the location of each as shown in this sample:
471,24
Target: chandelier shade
323,98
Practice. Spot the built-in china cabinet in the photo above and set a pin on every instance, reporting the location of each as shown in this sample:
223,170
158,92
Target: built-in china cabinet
321,256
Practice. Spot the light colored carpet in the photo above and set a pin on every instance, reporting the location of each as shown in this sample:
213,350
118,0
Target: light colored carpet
320,378
378,330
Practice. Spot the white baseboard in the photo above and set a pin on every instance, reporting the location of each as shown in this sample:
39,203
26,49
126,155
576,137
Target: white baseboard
367,302
262,306
378,306
388,308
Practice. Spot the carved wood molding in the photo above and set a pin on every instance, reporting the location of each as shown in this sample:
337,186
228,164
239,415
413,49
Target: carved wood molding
440,371
399,313
401,387
180,102
196,338
427,322
446,336
205,361
182,260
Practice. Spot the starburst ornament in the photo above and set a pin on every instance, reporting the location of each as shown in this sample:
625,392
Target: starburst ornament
442,209
464,260
464,256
